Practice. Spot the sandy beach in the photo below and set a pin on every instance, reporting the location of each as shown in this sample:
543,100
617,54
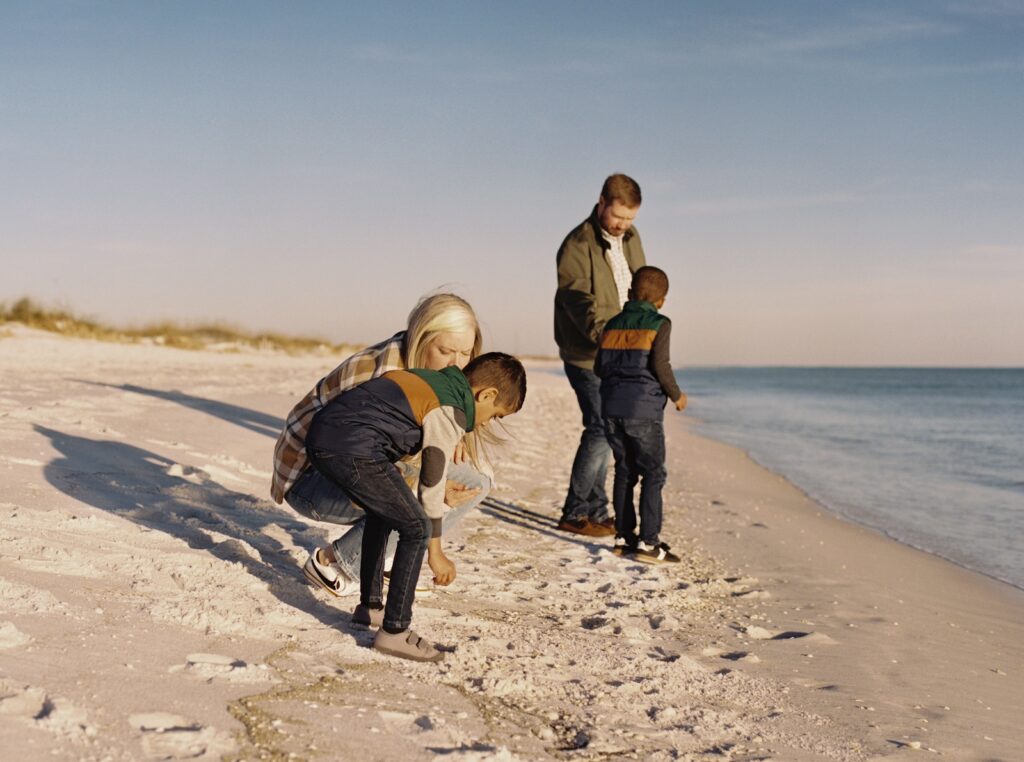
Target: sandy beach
152,604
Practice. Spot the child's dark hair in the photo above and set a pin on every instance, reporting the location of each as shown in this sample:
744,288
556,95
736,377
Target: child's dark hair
504,372
649,284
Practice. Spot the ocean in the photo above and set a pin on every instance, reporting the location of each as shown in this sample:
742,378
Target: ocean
934,458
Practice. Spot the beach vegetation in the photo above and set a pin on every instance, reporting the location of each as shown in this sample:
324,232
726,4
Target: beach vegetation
215,336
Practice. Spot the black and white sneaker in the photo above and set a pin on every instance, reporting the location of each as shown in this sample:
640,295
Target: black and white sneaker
655,554
328,577
624,547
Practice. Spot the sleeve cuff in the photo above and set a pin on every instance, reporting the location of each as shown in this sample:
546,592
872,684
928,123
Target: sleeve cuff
435,528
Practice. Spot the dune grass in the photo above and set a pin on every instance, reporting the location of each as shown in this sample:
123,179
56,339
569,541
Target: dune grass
217,336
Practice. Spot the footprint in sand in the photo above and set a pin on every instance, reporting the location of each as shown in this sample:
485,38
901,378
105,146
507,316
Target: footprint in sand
210,667
663,654
760,633
171,736
19,700
35,707
752,594
664,622
741,657
12,637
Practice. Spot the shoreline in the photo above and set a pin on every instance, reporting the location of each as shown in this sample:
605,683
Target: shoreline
867,585
696,425
706,430
154,605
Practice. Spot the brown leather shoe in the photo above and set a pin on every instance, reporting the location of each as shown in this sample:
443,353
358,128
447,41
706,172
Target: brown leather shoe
584,527
608,523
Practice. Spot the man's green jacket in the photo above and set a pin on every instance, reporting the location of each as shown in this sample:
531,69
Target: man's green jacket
587,298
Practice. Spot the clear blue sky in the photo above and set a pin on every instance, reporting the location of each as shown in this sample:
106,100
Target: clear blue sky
825,183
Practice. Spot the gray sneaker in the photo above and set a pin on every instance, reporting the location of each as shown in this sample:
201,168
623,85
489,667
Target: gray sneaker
406,645
364,616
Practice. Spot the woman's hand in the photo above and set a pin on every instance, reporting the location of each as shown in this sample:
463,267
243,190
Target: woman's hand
455,493
460,452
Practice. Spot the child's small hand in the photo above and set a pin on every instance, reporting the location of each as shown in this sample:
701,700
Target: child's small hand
444,570
681,402
455,494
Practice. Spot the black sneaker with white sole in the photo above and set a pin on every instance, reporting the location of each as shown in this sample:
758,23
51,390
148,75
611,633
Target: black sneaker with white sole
624,547
655,554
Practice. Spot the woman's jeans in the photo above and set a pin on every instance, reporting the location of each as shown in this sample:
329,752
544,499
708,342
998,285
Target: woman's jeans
320,499
639,449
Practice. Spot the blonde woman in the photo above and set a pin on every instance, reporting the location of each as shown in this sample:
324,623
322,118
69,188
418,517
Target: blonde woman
442,330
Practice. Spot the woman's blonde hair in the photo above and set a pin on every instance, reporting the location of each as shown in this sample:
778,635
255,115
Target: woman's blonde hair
447,313
433,315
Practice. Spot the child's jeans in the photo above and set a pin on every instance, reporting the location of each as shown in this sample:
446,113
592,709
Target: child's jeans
317,497
638,445
390,506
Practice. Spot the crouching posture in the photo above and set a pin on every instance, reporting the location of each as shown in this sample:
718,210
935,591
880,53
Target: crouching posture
356,439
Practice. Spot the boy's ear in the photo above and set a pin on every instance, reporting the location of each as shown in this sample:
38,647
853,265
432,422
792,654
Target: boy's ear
487,394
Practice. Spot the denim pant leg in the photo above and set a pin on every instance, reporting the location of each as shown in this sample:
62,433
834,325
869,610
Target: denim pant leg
587,497
317,497
390,506
625,478
348,548
649,442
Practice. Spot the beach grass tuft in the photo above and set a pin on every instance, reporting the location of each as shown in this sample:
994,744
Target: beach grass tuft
216,336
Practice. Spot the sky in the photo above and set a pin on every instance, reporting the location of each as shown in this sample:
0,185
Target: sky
824,183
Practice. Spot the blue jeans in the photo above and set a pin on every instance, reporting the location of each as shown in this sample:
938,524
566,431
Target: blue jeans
639,448
587,498
390,506
318,498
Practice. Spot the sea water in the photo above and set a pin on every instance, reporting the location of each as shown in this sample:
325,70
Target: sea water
931,457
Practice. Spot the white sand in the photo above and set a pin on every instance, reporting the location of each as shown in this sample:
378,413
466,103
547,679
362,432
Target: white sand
152,604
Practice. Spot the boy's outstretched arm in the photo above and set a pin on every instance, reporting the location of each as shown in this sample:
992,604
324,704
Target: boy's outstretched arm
661,366
441,436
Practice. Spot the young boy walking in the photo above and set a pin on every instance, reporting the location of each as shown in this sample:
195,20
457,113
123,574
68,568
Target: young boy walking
355,441
636,380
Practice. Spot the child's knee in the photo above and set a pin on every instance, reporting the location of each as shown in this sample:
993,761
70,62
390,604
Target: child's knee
416,530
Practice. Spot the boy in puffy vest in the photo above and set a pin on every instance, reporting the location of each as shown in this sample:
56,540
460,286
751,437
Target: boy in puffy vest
355,441
636,381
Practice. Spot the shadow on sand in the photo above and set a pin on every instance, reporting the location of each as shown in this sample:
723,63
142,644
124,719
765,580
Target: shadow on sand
261,423
534,521
145,487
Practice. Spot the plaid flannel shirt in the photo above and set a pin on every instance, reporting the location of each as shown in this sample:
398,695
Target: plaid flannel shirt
290,451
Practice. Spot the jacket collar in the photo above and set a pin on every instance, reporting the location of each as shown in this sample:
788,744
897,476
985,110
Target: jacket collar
636,305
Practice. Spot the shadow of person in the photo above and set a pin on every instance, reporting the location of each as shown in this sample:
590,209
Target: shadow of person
184,502
537,522
254,420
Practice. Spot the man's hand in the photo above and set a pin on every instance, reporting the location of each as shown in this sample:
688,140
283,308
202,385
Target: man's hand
455,494
681,402
460,452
